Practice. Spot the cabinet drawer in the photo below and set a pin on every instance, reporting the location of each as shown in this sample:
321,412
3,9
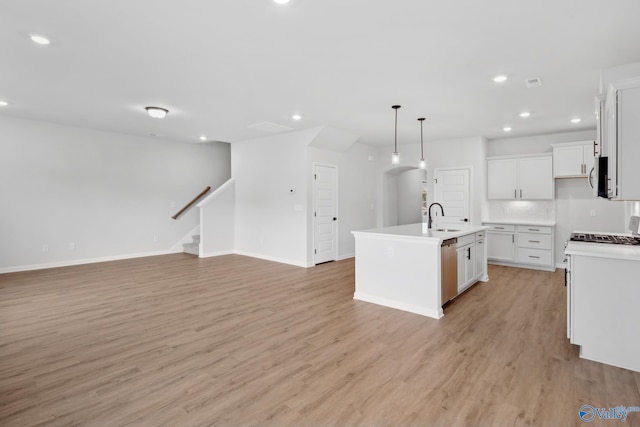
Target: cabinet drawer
534,256
532,240
501,227
465,240
534,229
480,235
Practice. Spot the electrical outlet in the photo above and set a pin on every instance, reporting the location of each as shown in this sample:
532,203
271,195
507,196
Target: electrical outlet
390,252
72,246
592,212
155,238
45,248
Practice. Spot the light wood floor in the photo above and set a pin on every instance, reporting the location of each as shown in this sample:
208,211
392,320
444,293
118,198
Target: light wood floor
177,340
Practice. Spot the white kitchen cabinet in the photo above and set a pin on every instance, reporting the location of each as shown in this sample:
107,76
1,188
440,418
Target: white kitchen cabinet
501,244
522,178
471,260
621,135
602,314
528,246
480,259
573,159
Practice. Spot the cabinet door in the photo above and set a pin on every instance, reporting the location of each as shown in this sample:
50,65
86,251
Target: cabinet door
462,267
470,265
501,246
480,260
568,161
535,175
501,179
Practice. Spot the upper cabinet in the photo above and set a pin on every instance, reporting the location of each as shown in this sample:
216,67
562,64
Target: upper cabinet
573,159
621,135
520,178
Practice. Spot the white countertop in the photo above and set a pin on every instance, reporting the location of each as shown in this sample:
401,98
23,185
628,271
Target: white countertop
540,222
604,250
419,230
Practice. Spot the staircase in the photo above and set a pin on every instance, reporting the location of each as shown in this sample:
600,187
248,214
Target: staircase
192,248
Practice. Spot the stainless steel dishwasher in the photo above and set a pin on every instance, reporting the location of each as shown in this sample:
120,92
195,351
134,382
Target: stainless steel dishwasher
449,269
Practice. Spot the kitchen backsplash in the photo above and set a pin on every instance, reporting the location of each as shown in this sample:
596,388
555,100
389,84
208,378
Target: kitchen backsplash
519,210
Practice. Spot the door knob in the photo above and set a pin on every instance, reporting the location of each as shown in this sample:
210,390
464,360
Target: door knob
465,220
335,219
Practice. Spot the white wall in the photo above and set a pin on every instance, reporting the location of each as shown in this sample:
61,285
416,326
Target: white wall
270,221
574,202
107,194
217,221
410,196
356,193
455,153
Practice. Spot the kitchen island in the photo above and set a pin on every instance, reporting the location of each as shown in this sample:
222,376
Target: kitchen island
401,266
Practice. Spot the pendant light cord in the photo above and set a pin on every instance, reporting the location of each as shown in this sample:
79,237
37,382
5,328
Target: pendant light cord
395,142
421,119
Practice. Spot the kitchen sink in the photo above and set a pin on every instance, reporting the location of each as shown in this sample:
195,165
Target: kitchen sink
446,230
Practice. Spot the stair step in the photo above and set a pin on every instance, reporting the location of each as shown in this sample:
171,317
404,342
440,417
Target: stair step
196,238
191,248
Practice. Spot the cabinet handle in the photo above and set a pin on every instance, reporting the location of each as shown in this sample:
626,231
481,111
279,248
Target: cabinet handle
521,193
533,256
594,149
468,253
513,239
533,229
515,193
499,228
534,241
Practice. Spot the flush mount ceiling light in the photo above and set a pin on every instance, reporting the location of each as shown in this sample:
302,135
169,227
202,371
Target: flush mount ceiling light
576,120
507,128
395,157
281,1
157,112
203,137
38,39
500,78
525,114
423,164
3,103
296,117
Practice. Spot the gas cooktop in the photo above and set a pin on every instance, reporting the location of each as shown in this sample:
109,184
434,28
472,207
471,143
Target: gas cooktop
604,238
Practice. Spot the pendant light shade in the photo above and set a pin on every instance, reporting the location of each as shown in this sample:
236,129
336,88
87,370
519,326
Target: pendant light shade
156,112
395,157
423,164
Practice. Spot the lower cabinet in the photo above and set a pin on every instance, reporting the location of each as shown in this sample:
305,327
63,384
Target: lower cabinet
529,246
471,260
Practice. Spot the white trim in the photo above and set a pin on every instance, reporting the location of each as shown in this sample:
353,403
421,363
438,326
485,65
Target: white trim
561,265
399,305
219,253
520,156
607,361
84,261
274,259
215,193
526,266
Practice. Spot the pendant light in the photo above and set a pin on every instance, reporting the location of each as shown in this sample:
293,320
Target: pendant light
395,157
423,165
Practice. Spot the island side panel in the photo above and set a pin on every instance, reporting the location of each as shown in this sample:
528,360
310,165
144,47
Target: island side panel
399,272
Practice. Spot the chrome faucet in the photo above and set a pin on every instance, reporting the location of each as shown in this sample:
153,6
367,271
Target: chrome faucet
430,218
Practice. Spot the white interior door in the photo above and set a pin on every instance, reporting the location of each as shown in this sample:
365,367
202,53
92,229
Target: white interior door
325,219
452,192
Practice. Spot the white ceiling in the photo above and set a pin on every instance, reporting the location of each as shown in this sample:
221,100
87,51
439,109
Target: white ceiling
221,66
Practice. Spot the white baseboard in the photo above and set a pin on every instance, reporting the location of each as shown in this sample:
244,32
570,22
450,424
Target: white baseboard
435,314
218,253
346,256
561,265
83,261
275,259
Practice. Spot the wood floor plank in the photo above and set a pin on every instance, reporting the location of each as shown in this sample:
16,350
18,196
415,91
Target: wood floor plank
177,340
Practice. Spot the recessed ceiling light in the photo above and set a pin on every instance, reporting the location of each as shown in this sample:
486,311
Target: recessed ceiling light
281,1
3,103
576,120
507,128
157,112
296,117
500,78
203,137
38,39
525,114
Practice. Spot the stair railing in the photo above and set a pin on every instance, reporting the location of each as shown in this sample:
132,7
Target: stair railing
191,203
